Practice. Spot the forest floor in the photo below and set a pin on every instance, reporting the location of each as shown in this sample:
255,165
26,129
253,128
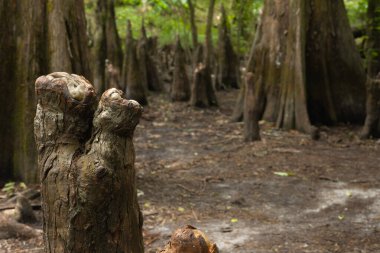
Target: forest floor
286,193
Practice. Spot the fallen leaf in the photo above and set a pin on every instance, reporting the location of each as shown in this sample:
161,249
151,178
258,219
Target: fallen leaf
284,174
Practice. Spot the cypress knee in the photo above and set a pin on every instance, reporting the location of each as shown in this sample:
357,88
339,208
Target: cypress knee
86,163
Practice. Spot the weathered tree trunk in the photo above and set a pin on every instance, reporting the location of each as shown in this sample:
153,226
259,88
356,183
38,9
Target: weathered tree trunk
142,61
36,36
202,91
133,76
373,42
228,62
372,125
194,32
180,90
135,86
308,65
89,197
67,39
106,41
128,48
208,52
254,101
147,63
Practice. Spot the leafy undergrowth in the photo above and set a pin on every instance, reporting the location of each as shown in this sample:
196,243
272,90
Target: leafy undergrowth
286,193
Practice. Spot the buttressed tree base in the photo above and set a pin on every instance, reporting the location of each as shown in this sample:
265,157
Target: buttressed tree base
86,163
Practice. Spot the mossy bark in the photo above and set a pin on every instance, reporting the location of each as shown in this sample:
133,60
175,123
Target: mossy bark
86,163
308,65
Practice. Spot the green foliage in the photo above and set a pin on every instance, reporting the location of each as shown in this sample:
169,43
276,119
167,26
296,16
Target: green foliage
357,12
167,18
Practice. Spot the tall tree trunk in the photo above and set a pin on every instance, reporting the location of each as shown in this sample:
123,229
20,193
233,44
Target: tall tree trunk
228,63
208,52
135,86
89,197
305,60
194,32
67,39
202,91
149,72
106,41
128,47
254,102
180,90
372,123
35,37
373,42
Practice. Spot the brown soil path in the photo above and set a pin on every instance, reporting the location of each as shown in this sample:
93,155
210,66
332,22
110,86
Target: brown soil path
194,168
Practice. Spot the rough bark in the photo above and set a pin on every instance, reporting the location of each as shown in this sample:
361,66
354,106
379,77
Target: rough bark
190,240
309,68
106,41
254,101
89,197
36,37
228,62
180,90
67,39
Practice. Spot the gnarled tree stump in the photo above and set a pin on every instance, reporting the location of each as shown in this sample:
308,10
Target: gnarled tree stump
86,162
190,240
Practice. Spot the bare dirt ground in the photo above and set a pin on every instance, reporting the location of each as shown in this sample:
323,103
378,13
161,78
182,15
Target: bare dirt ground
285,193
